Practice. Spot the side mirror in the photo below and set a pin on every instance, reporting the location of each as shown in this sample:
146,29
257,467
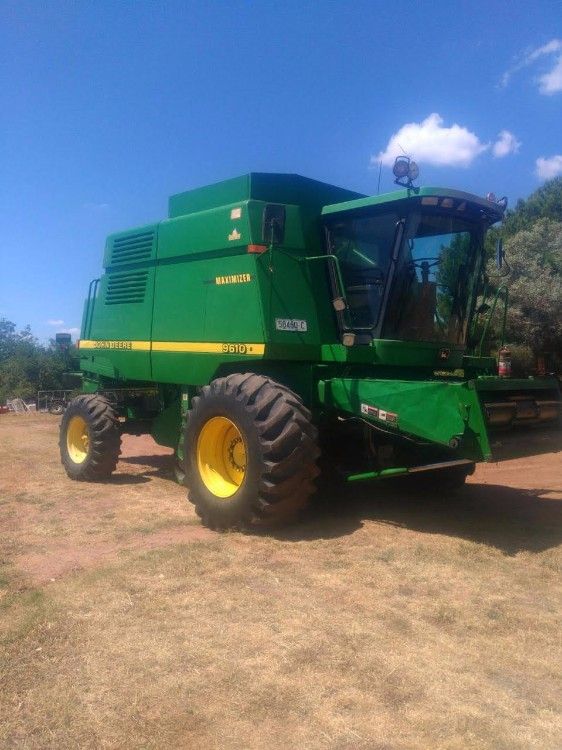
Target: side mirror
273,224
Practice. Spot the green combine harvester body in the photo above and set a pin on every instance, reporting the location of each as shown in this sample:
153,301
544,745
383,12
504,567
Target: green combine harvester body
364,309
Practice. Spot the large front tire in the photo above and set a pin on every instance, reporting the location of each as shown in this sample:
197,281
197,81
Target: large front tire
250,452
90,438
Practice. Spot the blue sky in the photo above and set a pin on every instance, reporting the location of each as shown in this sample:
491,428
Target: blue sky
107,108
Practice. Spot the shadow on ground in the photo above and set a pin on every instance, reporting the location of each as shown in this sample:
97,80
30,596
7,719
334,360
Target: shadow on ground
154,466
525,442
507,518
510,519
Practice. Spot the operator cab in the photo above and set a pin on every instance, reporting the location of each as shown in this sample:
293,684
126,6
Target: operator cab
409,262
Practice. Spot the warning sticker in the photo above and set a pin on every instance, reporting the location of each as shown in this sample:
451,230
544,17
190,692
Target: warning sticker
385,416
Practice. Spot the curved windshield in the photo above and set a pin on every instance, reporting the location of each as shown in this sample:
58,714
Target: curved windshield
433,280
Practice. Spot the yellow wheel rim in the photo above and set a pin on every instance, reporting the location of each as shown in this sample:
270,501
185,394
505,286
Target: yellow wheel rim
221,457
77,439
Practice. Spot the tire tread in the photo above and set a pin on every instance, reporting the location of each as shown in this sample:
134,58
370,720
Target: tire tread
105,438
288,441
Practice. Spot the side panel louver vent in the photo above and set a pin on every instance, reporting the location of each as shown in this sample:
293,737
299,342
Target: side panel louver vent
132,248
124,288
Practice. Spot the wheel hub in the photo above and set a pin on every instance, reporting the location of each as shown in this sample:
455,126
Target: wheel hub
221,457
237,454
77,439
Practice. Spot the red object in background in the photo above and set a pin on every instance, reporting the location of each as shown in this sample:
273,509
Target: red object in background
504,362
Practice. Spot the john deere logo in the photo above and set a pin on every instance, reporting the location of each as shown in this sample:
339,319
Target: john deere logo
444,354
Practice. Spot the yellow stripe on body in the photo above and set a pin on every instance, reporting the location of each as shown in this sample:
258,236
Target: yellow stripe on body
177,346
207,347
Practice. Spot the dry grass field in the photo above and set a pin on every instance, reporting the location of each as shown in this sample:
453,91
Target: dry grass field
384,620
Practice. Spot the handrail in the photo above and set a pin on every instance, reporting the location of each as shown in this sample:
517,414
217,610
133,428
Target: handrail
338,278
89,317
501,288
336,264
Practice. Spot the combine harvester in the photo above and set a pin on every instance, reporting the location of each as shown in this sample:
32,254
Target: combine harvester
273,318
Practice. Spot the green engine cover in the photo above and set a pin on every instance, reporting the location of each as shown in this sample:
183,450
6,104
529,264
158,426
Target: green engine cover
181,297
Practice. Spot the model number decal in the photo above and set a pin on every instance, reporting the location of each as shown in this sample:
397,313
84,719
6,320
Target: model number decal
290,324
238,348
235,348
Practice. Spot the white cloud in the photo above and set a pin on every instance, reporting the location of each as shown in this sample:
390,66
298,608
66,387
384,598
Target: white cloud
59,323
553,46
548,168
428,141
549,83
506,144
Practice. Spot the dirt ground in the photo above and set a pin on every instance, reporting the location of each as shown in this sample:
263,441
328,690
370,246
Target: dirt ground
384,620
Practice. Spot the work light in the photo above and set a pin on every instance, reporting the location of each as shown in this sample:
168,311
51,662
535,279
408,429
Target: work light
405,170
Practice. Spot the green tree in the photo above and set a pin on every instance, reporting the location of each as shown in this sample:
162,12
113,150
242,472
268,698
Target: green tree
532,235
27,367
544,203
535,287
7,338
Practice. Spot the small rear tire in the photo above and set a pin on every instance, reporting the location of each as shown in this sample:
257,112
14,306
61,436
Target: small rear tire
250,453
90,438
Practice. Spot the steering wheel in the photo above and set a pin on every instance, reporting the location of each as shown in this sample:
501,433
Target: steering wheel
416,263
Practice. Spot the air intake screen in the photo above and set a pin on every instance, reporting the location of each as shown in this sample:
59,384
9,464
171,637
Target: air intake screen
124,288
132,248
